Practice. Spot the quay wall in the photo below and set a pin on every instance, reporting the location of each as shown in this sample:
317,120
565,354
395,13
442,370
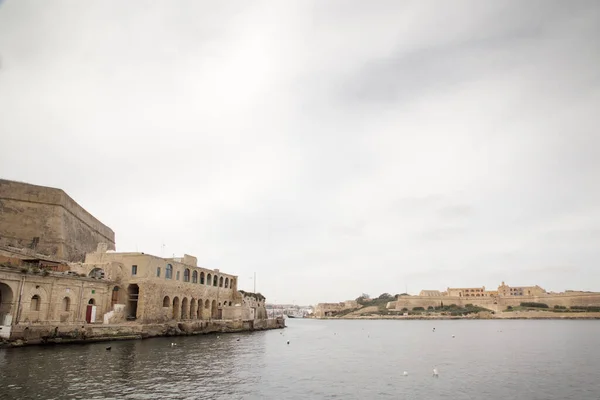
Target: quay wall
65,334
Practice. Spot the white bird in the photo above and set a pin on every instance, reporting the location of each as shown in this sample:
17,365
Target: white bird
405,373
435,372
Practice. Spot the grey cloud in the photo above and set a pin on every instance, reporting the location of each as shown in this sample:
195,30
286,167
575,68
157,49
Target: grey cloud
431,144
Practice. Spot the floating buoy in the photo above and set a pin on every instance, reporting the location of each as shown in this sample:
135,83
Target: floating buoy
435,372
173,344
288,342
405,373
452,336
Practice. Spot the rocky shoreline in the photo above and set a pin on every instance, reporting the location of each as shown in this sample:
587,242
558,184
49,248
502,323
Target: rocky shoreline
499,316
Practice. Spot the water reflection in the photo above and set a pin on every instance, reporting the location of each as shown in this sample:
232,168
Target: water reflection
325,359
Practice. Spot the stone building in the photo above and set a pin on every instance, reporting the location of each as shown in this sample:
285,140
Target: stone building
467,292
330,309
505,290
154,289
49,222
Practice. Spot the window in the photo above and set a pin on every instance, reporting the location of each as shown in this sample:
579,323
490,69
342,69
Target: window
202,278
195,277
66,304
169,272
35,303
158,271
186,275
177,276
134,270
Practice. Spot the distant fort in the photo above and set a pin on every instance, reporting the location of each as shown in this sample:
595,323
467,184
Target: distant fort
494,300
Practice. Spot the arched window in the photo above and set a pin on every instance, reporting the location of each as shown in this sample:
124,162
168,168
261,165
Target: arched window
186,275
66,304
169,272
226,283
202,278
35,303
221,282
166,302
195,277
209,279
92,302
215,280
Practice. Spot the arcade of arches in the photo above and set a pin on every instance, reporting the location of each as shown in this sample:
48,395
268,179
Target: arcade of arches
190,308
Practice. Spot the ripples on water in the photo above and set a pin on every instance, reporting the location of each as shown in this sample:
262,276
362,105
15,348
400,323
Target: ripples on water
542,360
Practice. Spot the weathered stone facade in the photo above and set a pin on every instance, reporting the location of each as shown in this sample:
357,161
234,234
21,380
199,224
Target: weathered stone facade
496,300
48,221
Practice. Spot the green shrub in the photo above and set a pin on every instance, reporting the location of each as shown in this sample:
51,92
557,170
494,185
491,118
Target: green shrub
418,309
534,305
429,308
509,308
557,307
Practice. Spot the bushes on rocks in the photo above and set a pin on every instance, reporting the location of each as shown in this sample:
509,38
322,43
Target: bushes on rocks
534,304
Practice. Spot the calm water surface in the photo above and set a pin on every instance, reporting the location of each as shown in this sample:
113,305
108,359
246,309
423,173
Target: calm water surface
325,360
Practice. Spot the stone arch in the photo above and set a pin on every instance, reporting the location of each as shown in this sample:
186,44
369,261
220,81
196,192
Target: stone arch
202,278
185,308
166,301
213,309
215,280
221,282
133,294
66,304
200,308
176,308
36,303
209,279
193,308
6,301
226,283
92,301
97,273
186,275
195,277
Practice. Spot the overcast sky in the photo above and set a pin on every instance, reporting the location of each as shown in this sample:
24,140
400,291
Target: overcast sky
332,147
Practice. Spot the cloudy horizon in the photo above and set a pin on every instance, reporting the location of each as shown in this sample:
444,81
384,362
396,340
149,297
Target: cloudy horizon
334,148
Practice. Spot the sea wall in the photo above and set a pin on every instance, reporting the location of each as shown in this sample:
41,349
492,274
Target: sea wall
64,334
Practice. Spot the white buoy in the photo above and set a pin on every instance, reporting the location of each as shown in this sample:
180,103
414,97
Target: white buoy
173,344
405,373
435,372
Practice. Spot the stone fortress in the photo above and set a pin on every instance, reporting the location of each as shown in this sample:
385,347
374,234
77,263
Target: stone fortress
48,221
495,300
48,288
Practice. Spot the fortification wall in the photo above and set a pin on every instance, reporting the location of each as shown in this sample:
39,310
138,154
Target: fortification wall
49,221
499,303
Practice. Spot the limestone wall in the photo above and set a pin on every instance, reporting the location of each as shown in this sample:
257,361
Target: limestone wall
48,220
51,299
498,303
